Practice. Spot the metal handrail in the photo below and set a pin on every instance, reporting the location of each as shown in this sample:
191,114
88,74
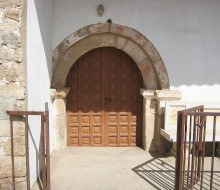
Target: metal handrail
45,148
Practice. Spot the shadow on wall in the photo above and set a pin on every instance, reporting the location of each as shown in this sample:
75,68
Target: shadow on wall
198,73
44,10
38,160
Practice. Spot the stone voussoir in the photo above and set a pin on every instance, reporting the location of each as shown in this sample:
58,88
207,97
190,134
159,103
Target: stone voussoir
81,36
129,33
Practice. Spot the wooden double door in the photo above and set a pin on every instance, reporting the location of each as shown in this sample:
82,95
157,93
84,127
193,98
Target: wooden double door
104,105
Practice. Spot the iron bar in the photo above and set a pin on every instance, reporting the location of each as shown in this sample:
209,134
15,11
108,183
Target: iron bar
12,153
43,153
179,148
193,153
44,131
196,148
213,151
27,152
47,145
203,152
203,113
22,113
201,122
190,130
193,134
184,153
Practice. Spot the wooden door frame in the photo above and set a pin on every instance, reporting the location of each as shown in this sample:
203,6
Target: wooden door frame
140,49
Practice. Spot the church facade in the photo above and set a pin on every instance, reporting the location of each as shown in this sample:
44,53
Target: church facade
107,70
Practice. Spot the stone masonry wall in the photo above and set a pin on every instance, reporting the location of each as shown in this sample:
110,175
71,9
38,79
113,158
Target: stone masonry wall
12,89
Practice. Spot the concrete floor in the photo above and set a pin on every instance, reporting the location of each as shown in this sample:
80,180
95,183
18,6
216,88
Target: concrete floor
109,168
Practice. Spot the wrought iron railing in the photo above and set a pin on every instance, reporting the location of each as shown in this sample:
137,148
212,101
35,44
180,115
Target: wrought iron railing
195,128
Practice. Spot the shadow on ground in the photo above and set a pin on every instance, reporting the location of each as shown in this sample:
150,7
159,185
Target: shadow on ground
158,173
161,174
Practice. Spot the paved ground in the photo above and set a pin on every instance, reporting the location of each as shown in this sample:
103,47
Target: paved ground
109,169
129,168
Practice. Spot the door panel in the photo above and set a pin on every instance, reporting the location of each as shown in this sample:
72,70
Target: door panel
104,106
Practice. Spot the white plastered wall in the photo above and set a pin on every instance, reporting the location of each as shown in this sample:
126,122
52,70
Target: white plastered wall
39,62
186,34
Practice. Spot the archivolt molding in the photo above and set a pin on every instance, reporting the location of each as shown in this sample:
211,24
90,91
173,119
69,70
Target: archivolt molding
138,47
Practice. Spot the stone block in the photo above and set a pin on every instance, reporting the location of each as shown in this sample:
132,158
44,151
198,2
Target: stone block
18,126
18,54
19,146
166,95
10,55
132,48
8,73
14,14
6,103
6,166
20,183
99,28
9,26
4,128
121,42
128,32
10,38
2,153
10,3
20,105
20,166
13,89
5,55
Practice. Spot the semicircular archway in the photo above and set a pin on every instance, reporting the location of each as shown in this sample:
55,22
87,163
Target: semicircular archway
138,47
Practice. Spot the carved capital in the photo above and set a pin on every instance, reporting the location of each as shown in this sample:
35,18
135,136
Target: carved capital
167,95
147,94
59,93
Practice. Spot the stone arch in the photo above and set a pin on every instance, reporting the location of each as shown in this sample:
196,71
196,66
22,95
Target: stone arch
139,48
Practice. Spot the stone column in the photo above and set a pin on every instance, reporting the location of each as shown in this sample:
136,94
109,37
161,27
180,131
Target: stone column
59,115
162,96
149,115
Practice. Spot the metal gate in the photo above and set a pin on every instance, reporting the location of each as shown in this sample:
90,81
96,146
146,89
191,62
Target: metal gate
194,170
45,148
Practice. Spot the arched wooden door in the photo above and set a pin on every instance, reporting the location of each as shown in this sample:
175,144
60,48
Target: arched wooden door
104,105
